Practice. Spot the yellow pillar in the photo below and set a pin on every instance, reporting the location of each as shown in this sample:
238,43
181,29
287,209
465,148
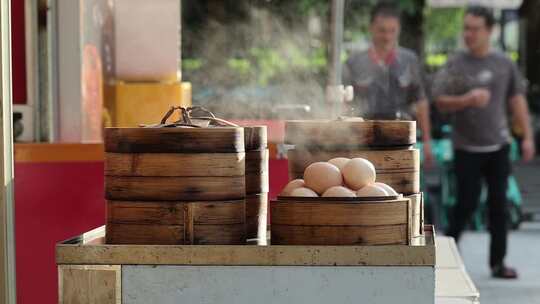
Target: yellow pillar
129,104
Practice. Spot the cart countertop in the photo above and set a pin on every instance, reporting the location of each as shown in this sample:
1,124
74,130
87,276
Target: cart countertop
90,249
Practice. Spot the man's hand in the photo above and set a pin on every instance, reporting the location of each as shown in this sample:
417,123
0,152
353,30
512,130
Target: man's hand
475,98
478,98
527,149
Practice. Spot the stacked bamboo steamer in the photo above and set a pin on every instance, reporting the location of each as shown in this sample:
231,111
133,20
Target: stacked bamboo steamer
388,144
175,185
257,157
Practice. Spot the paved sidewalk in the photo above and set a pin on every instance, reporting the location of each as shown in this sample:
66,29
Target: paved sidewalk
524,254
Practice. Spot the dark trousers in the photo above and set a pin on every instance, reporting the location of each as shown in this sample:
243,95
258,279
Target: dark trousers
471,169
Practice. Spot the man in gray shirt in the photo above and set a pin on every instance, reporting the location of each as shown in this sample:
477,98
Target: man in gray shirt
478,86
386,78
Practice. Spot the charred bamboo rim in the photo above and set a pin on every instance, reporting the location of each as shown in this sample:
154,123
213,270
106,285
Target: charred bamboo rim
375,121
174,140
347,148
255,138
355,200
313,147
180,130
381,132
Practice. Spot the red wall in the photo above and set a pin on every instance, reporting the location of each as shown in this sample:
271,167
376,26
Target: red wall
18,51
53,202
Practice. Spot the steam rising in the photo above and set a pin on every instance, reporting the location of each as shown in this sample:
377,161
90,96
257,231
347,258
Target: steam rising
259,68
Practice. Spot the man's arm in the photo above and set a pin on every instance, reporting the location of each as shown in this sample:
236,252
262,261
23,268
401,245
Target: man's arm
422,110
422,115
520,111
447,103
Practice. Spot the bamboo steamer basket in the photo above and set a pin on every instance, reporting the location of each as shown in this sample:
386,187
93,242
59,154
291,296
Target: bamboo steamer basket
173,223
257,183
342,221
387,144
175,183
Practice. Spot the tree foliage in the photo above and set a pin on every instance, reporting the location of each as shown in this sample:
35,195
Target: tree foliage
443,26
266,41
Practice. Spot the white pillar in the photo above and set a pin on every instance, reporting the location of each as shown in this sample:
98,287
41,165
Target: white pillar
7,226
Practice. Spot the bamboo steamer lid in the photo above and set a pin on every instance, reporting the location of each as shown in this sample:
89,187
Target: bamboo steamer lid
184,136
174,140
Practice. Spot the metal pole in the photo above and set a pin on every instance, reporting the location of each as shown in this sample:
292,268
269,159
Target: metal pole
336,41
53,114
32,64
8,293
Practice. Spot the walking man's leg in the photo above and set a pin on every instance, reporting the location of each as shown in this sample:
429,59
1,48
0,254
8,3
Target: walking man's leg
497,172
467,167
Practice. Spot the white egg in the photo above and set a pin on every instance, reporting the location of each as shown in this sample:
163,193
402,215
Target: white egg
339,162
387,188
294,184
371,191
339,191
303,192
359,172
321,176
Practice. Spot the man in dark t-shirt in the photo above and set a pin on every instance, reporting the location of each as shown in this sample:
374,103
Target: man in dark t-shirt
477,87
386,78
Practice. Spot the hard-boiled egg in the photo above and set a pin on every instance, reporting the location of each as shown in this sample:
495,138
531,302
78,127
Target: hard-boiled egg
371,191
294,184
387,188
303,192
358,172
339,162
339,191
320,176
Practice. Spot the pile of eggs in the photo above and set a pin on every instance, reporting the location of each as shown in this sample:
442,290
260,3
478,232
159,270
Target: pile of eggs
339,177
